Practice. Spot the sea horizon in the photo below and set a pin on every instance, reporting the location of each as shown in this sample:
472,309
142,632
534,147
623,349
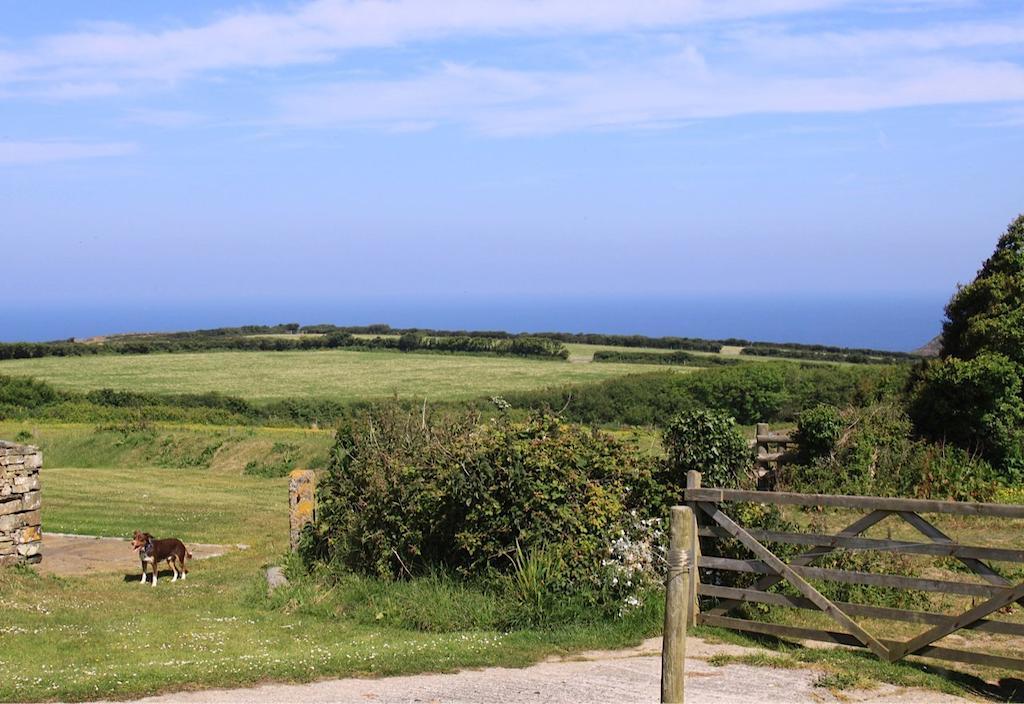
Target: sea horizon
897,322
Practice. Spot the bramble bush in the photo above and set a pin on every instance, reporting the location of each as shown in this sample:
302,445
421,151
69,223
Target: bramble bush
876,454
406,493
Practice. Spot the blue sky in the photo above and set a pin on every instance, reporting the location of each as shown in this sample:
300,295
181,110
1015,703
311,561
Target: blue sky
161,152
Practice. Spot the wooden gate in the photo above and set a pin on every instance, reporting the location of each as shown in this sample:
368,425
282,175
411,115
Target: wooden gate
989,595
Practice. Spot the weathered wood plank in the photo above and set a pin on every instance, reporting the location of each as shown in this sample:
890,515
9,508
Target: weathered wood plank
796,633
937,549
927,529
965,508
677,601
955,623
855,528
693,479
853,577
779,630
781,568
879,612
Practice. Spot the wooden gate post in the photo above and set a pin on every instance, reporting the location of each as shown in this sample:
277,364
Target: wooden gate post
693,482
301,503
677,604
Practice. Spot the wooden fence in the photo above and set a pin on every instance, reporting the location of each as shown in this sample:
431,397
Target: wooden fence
772,448
989,595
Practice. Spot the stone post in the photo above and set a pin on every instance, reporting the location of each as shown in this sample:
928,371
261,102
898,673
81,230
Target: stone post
301,503
21,537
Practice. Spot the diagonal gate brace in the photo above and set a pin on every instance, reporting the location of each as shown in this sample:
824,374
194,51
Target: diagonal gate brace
804,559
798,582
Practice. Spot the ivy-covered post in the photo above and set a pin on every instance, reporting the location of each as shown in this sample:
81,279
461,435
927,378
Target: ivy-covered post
677,600
301,503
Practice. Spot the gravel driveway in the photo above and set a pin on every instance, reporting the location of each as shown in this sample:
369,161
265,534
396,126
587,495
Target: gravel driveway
626,677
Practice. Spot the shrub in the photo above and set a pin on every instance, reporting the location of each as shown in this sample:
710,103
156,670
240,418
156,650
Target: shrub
706,442
817,432
407,492
974,395
977,404
877,454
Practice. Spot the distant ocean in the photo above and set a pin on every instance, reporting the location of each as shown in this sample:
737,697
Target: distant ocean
889,323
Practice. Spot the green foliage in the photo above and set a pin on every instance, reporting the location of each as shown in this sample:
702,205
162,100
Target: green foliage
817,431
750,393
977,404
707,442
677,358
282,338
877,455
827,354
538,499
974,395
987,315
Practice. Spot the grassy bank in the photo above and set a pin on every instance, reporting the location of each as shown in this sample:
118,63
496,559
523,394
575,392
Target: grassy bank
221,449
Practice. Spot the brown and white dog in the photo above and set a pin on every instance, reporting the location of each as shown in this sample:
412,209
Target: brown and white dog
152,552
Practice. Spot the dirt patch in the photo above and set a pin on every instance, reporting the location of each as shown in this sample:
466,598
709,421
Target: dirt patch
85,554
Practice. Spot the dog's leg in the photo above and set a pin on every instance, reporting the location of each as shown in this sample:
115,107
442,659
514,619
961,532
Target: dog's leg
143,580
155,570
174,568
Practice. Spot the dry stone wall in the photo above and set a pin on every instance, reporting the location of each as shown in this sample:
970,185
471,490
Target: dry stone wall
21,537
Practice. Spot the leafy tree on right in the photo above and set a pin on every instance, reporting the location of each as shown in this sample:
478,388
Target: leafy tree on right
973,395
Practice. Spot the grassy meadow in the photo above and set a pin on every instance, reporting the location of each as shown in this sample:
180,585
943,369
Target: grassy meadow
342,375
105,635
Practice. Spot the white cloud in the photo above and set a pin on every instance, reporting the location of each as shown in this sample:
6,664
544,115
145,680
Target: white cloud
672,90
318,31
737,57
39,152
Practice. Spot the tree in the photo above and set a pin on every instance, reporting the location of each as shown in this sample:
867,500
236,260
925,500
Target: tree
973,395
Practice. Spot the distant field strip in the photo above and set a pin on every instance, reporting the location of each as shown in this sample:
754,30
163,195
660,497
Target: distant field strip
339,374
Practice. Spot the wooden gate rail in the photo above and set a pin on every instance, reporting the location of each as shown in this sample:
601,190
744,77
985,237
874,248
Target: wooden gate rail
997,593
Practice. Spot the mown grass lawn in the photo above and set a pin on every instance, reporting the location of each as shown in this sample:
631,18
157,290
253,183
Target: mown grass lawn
344,375
105,635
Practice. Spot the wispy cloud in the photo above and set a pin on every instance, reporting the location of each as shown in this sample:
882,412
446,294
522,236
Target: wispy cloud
40,152
675,89
316,32
685,60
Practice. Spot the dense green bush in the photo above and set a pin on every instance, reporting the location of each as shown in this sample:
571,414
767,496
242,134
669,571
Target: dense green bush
877,455
978,404
818,430
974,395
707,442
539,508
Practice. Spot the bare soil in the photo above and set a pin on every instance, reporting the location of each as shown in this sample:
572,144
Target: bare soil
84,554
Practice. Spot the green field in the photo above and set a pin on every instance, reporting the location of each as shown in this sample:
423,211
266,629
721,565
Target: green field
103,635
339,374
